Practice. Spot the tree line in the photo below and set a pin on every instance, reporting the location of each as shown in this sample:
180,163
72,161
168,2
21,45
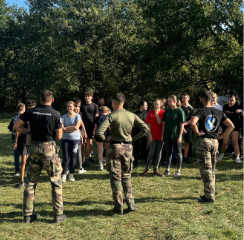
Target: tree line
143,48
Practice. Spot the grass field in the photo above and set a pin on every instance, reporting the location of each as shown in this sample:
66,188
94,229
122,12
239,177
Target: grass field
168,207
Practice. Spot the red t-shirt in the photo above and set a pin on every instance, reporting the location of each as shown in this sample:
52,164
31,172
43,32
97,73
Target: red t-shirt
156,129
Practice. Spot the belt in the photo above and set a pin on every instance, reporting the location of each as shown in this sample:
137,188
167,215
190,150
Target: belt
39,142
120,142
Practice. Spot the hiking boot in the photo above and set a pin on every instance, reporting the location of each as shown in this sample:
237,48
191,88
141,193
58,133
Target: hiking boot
119,212
203,199
166,174
60,218
31,218
157,173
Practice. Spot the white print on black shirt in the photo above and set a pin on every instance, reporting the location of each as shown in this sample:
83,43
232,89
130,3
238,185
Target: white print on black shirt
39,113
211,123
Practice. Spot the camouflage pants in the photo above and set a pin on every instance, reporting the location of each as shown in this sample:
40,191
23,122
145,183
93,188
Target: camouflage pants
120,165
43,156
207,150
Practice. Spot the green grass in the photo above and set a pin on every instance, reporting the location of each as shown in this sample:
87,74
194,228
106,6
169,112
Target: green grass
168,207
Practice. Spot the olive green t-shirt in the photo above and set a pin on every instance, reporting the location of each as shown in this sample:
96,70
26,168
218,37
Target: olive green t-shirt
121,123
172,119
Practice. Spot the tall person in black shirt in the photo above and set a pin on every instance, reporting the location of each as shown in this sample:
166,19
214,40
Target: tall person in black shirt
89,111
140,146
233,112
209,120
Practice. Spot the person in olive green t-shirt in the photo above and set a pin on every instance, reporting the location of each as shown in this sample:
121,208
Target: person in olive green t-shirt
173,119
119,155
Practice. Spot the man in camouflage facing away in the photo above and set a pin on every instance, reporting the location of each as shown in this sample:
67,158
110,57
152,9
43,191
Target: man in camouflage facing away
45,126
120,153
210,119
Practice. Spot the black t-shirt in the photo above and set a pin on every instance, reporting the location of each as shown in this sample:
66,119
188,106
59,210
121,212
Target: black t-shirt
232,115
89,112
44,120
142,115
188,113
11,124
210,119
98,122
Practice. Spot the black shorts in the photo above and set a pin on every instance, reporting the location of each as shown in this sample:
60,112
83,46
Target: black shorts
89,130
188,135
23,149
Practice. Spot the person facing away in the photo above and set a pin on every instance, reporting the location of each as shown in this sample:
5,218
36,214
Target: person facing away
209,120
45,126
119,156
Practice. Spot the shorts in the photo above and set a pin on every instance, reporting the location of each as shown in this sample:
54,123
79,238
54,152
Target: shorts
89,130
23,149
188,135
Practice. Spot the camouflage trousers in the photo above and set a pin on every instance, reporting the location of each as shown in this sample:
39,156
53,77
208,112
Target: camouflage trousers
43,155
207,150
120,165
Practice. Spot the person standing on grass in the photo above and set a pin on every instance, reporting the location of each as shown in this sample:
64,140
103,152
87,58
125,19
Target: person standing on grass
89,111
70,141
45,126
17,153
233,112
174,119
154,121
187,132
119,156
209,120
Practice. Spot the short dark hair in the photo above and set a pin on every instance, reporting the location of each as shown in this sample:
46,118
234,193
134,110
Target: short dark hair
89,93
20,106
119,97
46,96
77,100
185,94
30,103
141,103
207,96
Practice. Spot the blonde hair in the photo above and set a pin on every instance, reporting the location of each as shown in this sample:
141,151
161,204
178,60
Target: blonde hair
173,97
214,95
105,109
70,102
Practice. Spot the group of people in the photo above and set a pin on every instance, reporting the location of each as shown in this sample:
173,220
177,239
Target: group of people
148,135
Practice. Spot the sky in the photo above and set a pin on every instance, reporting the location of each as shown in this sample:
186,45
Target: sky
19,3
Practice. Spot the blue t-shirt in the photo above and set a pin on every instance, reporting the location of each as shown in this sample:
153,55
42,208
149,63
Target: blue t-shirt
67,121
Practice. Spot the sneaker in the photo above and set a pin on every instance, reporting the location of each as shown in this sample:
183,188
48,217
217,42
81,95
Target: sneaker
166,174
63,178
238,160
71,177
81,171
16,174
101,167
220,157
31,218
177,174
157,173
145,172
60,218
132,207
203,199
21,185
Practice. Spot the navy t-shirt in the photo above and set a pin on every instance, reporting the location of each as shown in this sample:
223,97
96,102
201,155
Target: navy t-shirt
210,119
44,120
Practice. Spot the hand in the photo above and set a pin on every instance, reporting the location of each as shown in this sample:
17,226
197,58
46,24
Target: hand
85,135
201,133
220,137
238,110
179,140
15,146
93,132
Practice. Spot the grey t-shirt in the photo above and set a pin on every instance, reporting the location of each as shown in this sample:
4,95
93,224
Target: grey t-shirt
67,121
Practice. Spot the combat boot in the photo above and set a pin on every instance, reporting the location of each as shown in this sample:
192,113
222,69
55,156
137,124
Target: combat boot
203,199
60,218
31,218
119,212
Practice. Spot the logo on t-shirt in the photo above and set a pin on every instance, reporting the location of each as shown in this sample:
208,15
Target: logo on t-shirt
211,123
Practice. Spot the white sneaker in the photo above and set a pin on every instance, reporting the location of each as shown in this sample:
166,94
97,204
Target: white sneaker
220,157
81,171
16,174
177,174
63,178
71,177
101,166
238,160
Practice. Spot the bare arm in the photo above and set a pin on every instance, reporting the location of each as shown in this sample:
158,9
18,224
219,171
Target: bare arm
71,129
16,140
83,126
181,132
19,127
195,128
59,133
230,126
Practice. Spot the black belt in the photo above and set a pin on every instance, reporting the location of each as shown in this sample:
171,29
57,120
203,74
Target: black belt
120,142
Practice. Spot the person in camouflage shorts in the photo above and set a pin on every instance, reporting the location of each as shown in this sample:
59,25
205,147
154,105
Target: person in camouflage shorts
120,165
43,156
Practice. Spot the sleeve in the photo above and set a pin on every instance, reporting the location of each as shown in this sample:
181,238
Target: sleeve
164,116
161,114
102,129
78,117
25,116
144,129
224,117
59,121
198,113
182,116
97,121
148,118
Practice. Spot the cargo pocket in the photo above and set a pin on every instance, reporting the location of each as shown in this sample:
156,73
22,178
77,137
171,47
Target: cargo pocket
127,165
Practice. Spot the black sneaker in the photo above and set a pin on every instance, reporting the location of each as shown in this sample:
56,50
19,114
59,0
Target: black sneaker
60,218
203,199
119,212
